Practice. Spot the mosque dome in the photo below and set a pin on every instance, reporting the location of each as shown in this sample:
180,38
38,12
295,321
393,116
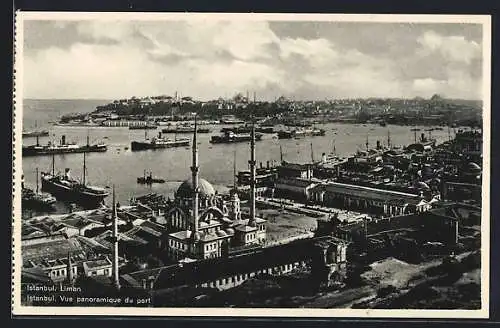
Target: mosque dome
185,190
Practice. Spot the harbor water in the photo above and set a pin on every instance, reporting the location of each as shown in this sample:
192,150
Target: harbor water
121,167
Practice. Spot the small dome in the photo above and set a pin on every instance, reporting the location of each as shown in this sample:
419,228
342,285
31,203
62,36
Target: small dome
221,233
472,167
422,185
185,190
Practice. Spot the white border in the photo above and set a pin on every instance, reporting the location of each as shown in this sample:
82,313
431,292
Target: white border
18,309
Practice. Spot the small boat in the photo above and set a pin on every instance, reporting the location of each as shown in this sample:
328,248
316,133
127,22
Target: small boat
149,179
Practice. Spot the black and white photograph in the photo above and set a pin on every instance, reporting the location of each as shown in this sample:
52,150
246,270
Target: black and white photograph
251,165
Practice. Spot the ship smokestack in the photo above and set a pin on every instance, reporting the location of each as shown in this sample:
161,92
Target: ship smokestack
378,144
67,173
116,273
267,165
252,162
323,158
63,140
194,171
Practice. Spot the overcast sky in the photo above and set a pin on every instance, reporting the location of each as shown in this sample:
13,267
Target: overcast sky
301,60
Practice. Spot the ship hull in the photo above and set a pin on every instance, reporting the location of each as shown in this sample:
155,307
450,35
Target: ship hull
142,127
32,151
137,145
199,130
223,139
67,194
35,134
300,134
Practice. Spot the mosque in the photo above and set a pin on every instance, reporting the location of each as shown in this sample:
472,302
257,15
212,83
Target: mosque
203,224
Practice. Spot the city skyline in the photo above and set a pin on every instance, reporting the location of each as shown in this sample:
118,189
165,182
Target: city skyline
301,60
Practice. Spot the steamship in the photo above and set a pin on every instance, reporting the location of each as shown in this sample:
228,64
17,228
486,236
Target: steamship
248,129
231,137
298,133
65,188
63,148
185,129
159,143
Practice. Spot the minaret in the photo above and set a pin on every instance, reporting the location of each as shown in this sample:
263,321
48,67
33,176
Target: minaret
69,268
252,162
194,172
116,273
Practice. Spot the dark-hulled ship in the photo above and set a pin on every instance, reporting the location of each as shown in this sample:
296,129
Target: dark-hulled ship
248,129
159,142
185,129
38,133
149,179
299,133
33,199
143,127
231,137
62,148
67,189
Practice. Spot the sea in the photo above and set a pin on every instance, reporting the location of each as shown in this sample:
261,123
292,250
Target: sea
119,166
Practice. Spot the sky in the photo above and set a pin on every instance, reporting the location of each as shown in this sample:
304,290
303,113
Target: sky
103,59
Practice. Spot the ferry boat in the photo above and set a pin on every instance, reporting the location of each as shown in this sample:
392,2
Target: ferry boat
231,137
159,142
299,133
185,129
65,188
63,148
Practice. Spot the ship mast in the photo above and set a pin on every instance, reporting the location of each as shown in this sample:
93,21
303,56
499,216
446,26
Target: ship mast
53,164
37,180
84,168
281,155
389,138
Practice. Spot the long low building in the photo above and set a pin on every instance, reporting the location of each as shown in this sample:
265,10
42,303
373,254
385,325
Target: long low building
372,200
